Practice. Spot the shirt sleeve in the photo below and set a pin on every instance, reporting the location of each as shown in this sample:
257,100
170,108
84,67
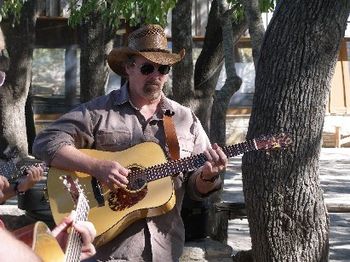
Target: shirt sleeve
74,128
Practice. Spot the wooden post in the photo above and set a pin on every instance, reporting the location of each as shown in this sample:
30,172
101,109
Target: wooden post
71,67
337,136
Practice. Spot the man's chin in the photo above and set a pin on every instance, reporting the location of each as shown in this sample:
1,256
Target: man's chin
152,89
154,95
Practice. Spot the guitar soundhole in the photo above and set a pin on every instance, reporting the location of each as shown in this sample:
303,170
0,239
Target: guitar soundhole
136,190
136,179
136,183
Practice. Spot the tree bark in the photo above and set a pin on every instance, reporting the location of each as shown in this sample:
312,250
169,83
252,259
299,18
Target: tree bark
218,220
198,95
181,29
200,98
256,26
231,33
208,67
13,95
285,206
95,44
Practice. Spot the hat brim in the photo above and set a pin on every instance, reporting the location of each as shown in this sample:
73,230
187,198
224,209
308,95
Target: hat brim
118,56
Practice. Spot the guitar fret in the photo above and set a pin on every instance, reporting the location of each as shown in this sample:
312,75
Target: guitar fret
75,242
12,172
135,196
174,167
74,248
240,148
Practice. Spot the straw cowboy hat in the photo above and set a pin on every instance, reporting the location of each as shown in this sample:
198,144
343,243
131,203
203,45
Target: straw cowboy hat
148,41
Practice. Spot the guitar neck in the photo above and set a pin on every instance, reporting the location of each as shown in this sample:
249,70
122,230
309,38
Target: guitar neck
12,171
191,163
74,243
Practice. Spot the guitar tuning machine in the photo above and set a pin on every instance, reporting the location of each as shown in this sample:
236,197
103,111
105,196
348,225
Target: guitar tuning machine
64,180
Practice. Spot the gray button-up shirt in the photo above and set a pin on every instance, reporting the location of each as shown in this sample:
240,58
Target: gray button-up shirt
112,123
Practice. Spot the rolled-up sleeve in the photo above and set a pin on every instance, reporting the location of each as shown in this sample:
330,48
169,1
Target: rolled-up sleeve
74,128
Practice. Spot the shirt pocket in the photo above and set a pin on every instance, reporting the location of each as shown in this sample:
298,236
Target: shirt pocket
186,143
115,140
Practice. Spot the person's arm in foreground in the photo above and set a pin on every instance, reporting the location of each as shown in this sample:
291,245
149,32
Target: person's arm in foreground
11,249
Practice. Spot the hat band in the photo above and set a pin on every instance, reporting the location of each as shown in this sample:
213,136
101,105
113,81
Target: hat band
155,50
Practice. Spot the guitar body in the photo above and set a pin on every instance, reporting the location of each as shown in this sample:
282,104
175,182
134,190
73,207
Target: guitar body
120,208
38,237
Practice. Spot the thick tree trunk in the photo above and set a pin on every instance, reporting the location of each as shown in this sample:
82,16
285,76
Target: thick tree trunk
256,26
286,211
70,75
231,33
93,67
201,97
181,29
208,66
218,221
13,95
198,95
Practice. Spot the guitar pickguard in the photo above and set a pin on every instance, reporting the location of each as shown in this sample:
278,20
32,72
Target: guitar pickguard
121,199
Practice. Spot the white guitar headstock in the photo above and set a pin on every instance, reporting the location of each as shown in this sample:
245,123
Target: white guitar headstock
73,187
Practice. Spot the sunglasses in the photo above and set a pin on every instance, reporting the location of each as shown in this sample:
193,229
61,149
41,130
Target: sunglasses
147,69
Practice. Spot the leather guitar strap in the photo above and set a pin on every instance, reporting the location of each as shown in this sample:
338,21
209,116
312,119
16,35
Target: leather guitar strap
170,135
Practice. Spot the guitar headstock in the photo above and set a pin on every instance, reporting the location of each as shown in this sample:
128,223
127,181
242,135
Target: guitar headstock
267,142
24,163
75,190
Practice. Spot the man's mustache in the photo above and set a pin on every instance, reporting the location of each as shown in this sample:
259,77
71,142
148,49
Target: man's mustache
153,82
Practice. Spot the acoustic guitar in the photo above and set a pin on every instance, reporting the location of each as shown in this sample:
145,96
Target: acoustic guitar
39,238
150,190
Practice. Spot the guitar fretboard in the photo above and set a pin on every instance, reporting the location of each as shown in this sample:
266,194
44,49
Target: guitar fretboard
174,167
13,171
73,249
10,171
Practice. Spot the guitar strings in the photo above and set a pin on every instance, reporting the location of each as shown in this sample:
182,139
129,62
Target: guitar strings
188,163
75,242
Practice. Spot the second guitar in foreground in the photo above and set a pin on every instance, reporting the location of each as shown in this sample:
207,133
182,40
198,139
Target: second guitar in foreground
150,190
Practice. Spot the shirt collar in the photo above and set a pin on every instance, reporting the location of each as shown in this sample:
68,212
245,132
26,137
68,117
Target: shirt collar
166,105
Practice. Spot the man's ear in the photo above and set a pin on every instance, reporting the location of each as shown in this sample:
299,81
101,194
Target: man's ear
128,67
